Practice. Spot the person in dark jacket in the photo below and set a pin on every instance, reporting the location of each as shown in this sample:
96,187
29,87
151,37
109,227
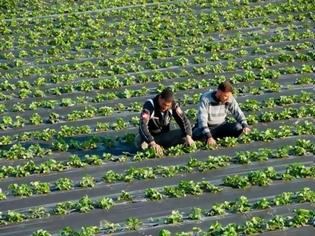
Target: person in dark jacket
214,106
154,128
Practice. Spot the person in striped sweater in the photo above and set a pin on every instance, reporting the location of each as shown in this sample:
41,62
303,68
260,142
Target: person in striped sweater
214,107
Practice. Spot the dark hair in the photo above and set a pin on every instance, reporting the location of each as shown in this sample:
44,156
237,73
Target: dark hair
226,86
167,94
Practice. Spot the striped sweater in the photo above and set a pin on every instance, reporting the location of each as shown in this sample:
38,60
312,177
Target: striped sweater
212,112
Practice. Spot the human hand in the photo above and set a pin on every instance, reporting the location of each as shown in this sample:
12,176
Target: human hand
189,141
246,130
211,141
159,150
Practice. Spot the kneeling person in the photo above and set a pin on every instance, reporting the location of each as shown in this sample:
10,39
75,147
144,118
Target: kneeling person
154,130
213,109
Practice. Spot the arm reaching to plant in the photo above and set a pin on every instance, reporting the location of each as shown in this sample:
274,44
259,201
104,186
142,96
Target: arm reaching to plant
238,114
183,123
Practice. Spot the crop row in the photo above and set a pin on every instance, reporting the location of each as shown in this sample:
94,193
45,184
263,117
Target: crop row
131,59
240,205
301,217
35,12
63,12
18,151
259,63
91,111
106,67
99,97
235,43
150,29
302,147
255,178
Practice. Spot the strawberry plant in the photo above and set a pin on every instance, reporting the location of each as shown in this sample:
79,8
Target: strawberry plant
105,203
258,178
36,119
153,194
236,181
38,213
64,184
87,182
40,188
41,232
175,218
22,190
14,217
124,196
262,204
85,204
241,205
196,214
63,208
133,223
2,195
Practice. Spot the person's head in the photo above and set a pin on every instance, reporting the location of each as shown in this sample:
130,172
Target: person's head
224,91
166,99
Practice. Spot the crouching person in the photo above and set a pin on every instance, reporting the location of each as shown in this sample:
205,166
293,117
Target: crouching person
154,129
214,106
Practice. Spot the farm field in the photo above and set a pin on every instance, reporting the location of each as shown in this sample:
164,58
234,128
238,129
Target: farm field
74,76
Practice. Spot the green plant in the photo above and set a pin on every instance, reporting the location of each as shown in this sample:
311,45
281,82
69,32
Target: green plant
87,181
41,232
85,204
37,213
63,208
15,217
40,188
153,194
195,214
133,223
64,184
174,218
22,190
236,181
105,203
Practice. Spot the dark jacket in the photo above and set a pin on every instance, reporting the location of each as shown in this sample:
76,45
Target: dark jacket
154,122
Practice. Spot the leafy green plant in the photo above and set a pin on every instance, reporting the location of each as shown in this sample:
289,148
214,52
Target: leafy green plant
85,204
87,181
36,119
22,190
133,223
236,181
262,204
41,232
153,194
40,187
105,203
37,213
241,205
64,184
14,217
175,218
196,214
124,196
219,208
259,178
63,208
